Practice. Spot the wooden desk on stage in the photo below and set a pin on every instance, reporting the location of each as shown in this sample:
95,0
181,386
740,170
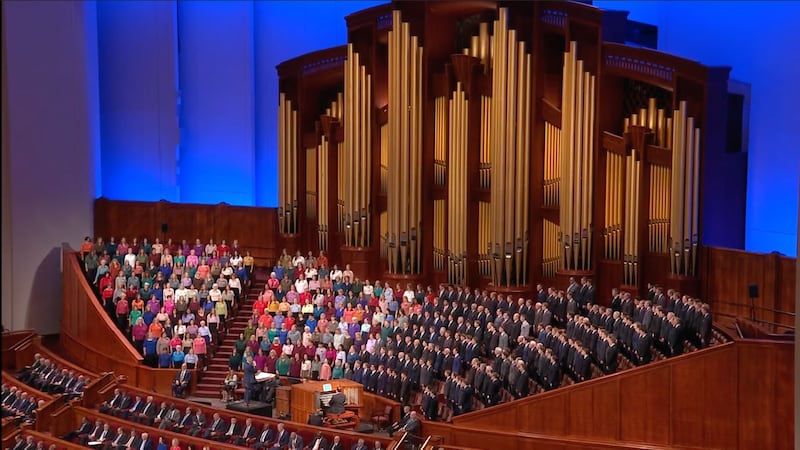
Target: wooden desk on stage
305,400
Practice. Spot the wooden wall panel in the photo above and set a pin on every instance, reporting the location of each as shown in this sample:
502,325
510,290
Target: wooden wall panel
756,396
734,396
718,386
255,228
688,408
784,395
645,407
606,411
727,274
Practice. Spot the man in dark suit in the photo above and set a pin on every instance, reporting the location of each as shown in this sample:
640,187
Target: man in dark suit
147,412
316,419
134,410
230,432
181,382
144,443
249,379
263,439
216,429
319,442
108,405
123,405
248,433
118,440
360,445
85,428
171,420
395,427
84,439
281,437
199,423
186,422
133,441
295,441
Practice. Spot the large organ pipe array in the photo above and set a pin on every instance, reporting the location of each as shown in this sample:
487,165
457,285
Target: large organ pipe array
355,158
685,191
658,213
287,165
405,149
577,147
509,138
457,187
481,47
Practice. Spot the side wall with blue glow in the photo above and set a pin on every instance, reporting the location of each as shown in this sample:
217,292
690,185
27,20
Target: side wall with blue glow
758,40
189,93
138,99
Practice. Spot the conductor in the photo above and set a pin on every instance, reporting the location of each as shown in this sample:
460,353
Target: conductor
249,367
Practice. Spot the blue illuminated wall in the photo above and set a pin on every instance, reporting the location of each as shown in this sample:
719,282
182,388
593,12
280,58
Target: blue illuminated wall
758,40
189,93
138,99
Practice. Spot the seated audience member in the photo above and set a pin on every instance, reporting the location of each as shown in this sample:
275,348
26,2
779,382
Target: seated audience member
181,381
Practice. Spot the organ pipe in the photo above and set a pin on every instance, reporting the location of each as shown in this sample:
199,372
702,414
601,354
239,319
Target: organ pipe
509,142
287,166
356,154
440,143
405,148
457,186
685,187
577,148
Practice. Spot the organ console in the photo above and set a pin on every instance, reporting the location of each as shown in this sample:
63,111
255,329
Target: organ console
501,144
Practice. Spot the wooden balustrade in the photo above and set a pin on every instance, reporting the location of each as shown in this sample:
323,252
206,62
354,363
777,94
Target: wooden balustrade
735,395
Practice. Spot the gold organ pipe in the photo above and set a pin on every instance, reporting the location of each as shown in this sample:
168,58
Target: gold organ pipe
590,172
519,209
651,114
661,125
393,168
695,211
347,148
577,162
508,144
565,204
687,192
282,169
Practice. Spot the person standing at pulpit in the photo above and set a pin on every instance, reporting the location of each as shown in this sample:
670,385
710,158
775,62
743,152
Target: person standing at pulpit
249,380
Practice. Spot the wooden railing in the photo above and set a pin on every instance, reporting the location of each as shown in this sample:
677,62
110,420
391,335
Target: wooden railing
89,335
735,395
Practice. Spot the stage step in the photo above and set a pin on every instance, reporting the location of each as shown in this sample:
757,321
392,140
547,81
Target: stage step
209,386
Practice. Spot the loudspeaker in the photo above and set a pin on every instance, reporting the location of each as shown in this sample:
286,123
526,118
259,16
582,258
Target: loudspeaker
753,290
164,228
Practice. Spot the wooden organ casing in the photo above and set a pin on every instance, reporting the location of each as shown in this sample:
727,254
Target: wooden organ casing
505,144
